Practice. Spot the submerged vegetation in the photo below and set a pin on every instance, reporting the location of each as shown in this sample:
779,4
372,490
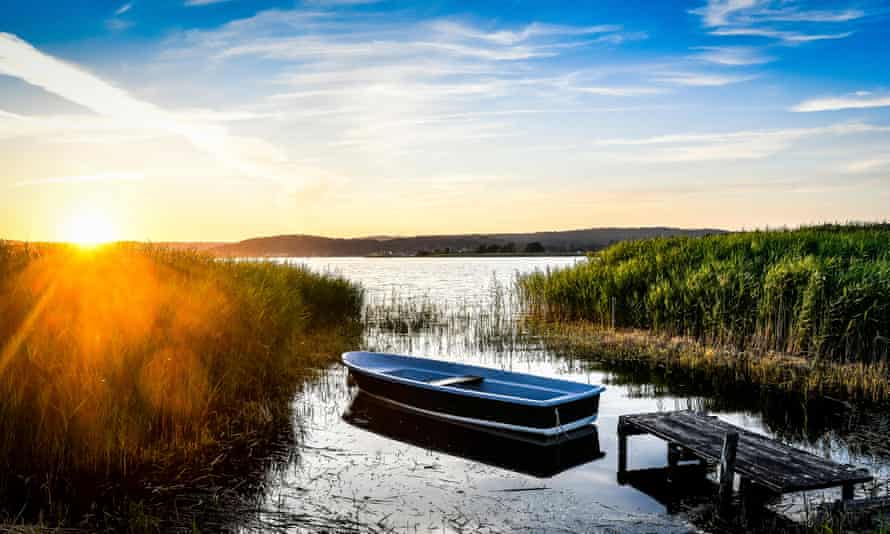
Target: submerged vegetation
821,294
128,362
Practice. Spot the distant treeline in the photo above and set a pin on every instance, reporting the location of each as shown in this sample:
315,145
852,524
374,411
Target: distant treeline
535,247
819,291
558,242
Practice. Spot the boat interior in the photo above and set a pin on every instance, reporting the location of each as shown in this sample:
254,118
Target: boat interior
477,383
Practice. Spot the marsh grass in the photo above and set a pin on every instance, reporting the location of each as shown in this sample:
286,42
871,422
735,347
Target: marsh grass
129,367
782,372
402,322
400,314
805,310
821,292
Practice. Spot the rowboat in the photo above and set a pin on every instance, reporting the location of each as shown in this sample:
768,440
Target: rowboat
526,454
479,396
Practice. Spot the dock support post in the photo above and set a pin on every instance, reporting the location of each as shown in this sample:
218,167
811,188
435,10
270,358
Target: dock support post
727,466
847,492
674,454
622,452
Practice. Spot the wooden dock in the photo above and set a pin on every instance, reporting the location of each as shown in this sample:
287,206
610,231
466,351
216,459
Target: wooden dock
759,460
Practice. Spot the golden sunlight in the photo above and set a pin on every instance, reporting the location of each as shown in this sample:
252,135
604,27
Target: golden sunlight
89,228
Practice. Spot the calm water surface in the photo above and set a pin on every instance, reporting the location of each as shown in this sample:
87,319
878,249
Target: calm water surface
359,465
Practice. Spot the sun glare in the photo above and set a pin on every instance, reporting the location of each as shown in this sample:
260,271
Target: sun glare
89,228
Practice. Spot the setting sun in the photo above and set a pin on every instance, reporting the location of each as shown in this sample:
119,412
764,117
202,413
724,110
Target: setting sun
89,228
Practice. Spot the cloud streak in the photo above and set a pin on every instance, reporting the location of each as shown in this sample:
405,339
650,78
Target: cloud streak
512,37
732,56
860,101
869,165
249,156
784,20
787,36
694,79
726,146
197,3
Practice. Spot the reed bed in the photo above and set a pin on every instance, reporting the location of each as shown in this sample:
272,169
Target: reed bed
674,355
819,292
122,364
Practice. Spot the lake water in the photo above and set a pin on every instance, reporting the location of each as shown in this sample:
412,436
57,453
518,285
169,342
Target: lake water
365,467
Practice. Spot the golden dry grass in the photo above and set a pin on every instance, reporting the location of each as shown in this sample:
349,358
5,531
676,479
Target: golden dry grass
120,359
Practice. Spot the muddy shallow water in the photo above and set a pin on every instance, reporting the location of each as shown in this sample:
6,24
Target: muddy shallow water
362,466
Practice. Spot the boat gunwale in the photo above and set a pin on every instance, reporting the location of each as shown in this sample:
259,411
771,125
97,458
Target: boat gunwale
595,390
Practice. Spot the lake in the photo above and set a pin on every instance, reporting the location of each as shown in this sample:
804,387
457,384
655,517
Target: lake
364,467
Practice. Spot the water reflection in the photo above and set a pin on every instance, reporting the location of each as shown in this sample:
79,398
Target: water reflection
516,453
677,489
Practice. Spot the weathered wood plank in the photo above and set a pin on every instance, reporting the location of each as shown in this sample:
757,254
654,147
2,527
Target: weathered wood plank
776,466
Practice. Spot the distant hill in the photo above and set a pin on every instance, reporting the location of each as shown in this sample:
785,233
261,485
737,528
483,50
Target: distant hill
191,245
554,242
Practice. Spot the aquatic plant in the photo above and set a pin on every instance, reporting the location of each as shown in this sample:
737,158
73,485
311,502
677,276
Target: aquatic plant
123,360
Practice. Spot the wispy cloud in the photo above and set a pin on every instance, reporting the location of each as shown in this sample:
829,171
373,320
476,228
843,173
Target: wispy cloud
444,38
118,25
785,20
868,165
510,37
741,145
859,100
193,3
695,79
249,156
733,56
619,90
787,36
794,14
725,12
360,70
718,12
338,3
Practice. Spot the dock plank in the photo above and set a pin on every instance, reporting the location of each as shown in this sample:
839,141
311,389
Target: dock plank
771,464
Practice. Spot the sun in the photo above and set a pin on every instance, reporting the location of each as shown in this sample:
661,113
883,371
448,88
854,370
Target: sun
89,228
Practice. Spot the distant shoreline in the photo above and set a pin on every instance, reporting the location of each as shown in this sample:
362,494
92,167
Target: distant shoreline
464,245
488,255
453,255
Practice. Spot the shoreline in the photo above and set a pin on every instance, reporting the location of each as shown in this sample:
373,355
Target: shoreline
407,256
858,382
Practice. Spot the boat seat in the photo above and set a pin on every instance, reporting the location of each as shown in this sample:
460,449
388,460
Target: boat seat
454,380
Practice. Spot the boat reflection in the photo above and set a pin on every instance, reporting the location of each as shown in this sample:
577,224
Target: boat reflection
522,454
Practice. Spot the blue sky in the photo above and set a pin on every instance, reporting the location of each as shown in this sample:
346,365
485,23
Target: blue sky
222,120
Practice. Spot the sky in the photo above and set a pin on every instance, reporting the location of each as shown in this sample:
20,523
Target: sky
209,120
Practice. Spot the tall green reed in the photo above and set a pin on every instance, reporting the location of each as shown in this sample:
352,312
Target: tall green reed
820,291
